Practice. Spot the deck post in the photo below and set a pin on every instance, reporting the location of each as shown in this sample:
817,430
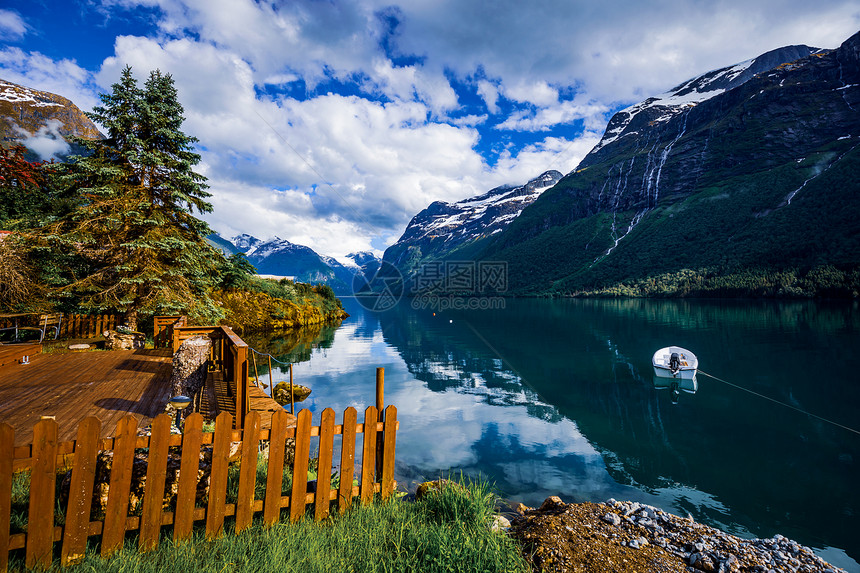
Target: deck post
380,408
240,378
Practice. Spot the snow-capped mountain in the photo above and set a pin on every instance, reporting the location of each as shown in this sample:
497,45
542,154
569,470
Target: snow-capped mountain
443,228
279,257
663,107
245,243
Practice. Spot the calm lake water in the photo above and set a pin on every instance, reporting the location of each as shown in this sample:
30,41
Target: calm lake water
558,398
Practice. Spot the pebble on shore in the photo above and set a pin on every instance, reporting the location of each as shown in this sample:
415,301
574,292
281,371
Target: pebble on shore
633,537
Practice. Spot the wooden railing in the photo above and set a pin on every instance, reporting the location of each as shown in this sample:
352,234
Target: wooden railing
163,329
229,355
46,454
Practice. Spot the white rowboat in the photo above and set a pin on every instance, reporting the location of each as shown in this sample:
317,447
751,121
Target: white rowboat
675,362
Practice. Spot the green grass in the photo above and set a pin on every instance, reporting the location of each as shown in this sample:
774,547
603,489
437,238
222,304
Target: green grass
445,531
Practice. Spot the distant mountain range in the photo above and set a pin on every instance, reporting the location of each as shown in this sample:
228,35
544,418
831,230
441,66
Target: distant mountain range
279,257
457,230
752,167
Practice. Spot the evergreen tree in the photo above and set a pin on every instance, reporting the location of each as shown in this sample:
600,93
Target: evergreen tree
133,244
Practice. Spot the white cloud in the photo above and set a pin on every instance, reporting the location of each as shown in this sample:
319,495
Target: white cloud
410,83
563,113
12,26
551,153
538,93
47,142
490,94
352,168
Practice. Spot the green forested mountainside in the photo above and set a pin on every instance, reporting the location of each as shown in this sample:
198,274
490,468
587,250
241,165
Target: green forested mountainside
760,179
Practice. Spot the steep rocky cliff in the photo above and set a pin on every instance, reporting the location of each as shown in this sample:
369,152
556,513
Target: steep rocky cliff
750,166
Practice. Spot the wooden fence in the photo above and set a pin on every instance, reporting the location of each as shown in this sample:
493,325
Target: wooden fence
86,325
76,325
43,457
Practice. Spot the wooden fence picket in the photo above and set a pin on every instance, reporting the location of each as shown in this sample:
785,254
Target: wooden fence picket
156,476
387,478
368,460
247,472
43,479
7,451
218,477
300,466
81,492
347,459
116,513
275,471
323,500
186,491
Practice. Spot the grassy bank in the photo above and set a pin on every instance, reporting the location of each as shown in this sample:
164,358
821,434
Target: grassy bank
445,531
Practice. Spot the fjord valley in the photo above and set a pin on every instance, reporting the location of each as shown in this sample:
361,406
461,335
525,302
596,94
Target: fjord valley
737,185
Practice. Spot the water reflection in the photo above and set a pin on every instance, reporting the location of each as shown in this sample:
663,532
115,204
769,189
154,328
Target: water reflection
558,398
676,386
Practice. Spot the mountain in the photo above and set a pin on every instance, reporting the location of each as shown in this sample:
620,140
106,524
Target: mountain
745,171
222,244
280,257
452,230
28,115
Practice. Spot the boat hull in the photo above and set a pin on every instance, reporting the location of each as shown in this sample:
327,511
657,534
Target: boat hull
682,374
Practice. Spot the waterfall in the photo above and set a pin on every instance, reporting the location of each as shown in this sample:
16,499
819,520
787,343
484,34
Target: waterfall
650,180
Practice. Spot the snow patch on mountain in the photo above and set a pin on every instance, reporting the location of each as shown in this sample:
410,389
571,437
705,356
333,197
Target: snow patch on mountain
245,243
481,215
20,94
693,92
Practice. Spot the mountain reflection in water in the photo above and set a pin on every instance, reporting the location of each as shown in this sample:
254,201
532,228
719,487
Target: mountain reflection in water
558,398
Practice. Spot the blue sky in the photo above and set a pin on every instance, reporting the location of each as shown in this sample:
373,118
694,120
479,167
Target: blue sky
331,123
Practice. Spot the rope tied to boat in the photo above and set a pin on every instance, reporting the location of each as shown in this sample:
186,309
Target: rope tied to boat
802,411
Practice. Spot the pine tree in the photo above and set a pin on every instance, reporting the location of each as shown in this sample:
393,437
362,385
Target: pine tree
133,243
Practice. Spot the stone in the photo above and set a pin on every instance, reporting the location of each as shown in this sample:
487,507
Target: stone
79,347
522,508
612,518
552,503
190,366
123,339
435,486
499,524
281,393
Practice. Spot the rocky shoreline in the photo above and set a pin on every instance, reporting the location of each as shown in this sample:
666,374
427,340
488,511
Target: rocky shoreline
633,537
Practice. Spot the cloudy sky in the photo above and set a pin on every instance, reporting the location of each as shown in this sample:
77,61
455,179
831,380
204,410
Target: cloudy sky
331,123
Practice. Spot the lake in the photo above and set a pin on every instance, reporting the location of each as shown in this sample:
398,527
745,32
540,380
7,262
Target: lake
557,397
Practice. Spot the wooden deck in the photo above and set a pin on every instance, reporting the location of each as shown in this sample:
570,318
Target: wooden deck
107,385
72,386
